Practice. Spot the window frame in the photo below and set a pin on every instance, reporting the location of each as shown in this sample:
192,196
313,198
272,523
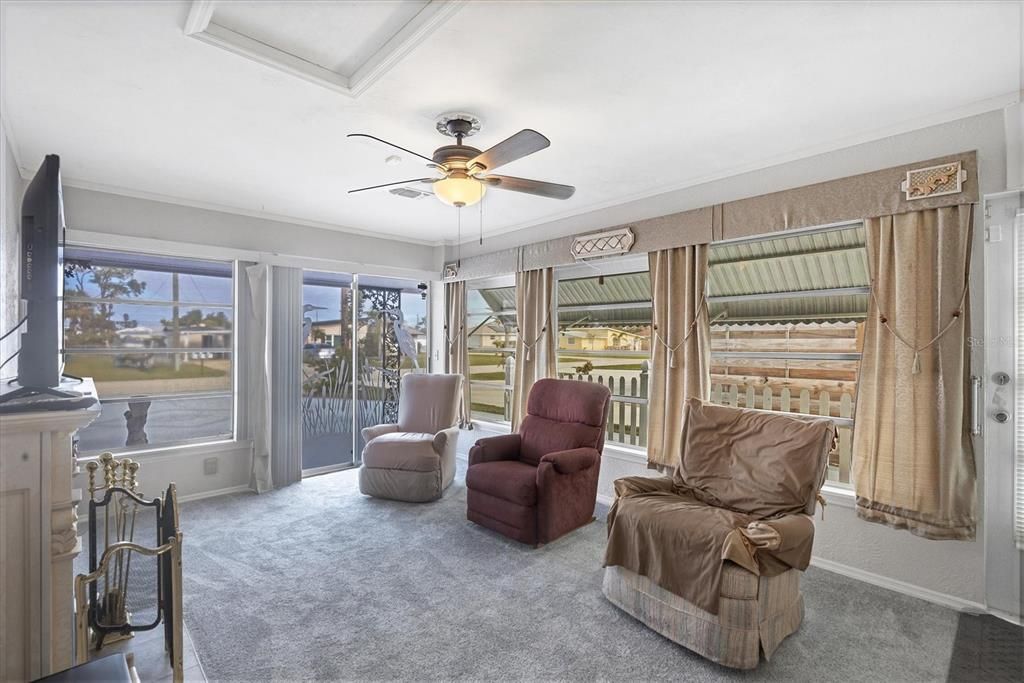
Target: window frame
233,350
626,264
845,422
492,282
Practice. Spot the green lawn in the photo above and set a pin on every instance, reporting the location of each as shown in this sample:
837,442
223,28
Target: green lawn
487,376
489,409
101,368
565,357
495,360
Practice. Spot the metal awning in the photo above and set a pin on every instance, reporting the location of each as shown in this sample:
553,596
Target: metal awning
748,282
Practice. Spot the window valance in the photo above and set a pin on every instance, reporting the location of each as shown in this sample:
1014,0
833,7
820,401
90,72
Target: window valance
934,183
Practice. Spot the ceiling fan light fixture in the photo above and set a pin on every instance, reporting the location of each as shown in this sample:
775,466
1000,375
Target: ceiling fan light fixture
459,191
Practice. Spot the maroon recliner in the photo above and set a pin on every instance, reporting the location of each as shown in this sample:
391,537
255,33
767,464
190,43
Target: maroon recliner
541,483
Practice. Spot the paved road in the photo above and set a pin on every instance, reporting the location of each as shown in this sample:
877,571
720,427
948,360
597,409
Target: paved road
169,421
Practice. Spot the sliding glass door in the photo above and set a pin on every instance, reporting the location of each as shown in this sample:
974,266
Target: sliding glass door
361,334
327,372
391,340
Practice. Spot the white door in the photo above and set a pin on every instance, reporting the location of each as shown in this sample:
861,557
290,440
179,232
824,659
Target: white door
1002,384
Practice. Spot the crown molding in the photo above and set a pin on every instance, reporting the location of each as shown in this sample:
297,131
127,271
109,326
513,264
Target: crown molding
908,126
201,25
224,208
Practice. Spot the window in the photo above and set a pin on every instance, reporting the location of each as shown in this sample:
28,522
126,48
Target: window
604,335
156,335
491,337
787,318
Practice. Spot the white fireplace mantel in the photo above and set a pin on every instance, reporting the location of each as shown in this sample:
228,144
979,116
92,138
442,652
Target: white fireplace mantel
38,539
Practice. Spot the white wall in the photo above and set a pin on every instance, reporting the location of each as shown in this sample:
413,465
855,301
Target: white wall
115,216
952,572
10,253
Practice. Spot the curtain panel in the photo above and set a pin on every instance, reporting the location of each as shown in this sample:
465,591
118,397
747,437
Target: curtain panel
255,298
535,336
913,461
680,347
457,345
286,375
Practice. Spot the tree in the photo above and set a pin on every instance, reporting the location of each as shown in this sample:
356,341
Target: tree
93,324
195,318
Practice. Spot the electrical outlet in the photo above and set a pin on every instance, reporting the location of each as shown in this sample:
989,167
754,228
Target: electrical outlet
210,466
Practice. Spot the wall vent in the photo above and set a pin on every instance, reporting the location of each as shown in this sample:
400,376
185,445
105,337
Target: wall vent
408,192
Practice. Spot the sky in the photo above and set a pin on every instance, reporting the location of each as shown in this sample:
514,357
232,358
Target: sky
212,294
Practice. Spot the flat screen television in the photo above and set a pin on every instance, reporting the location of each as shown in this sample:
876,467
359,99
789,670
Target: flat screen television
42,279
40,384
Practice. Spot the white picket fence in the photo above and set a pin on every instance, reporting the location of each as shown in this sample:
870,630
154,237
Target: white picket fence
822,403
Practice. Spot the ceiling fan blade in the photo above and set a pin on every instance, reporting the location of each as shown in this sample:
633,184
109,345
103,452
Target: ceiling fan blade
537,187
389,144
400,182
523,143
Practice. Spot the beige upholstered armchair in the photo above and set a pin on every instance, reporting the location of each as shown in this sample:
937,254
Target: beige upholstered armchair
711,557
414,460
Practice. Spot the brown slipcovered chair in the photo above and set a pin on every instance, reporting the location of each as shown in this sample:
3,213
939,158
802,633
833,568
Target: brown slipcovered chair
711,558
541,483
414,460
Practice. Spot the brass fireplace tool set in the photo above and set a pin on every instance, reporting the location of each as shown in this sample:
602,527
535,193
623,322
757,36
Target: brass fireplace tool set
105,596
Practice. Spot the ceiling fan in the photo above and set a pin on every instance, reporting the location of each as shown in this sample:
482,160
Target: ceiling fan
465,171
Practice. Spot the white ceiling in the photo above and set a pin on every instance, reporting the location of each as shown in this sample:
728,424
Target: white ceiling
637,98
338,36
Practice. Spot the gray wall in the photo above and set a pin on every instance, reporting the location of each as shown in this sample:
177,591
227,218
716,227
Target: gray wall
10,260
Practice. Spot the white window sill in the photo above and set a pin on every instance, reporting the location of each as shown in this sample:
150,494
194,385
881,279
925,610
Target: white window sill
836,494
206,447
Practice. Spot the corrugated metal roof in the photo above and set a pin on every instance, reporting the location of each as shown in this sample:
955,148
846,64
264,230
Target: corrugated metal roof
835,259
499,298
615,289
614,317
824,260
807,309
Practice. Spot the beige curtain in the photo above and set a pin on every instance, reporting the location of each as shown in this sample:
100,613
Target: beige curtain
456,344
535,336
680,345
912,457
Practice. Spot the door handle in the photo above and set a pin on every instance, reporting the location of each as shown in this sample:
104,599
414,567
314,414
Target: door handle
975,405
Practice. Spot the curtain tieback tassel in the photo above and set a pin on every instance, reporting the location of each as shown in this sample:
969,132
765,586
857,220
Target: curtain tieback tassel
822,503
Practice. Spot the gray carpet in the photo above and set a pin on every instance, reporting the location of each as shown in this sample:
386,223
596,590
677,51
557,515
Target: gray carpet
319,582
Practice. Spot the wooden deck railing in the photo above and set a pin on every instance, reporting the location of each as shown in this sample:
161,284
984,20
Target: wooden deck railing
627,423
836,405
627,419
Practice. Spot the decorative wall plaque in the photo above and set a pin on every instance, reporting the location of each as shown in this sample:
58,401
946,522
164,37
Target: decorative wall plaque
599,244
934,181
450,270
